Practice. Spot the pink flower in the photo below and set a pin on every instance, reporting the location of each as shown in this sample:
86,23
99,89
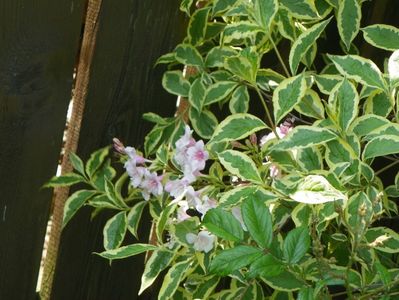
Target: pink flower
192,197
197,156
205,205
182,211
151,185
134,157
176,188
186,140
202,242
136,174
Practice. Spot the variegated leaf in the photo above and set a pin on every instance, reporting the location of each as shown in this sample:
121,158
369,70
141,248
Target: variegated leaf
381,145
96,160
216,57
244,66
236,127
304,136
359,69
220,6
326,82
383,239
175,83
265,11
114,231
237,32
134,216
311,105
378,103
188,55
219,91
172,279
241,165
303,43
127,251
287,95
64,180
159,260
197,26
197,94
382,36
204,123
223,224
301,9
345,102
239,102
348,20
74,203
238,194
366,124
393,68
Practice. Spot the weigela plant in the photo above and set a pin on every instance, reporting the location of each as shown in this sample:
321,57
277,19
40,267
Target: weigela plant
264,184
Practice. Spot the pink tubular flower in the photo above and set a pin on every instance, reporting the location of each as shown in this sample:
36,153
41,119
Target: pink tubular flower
202,242
182,211
134,157
205,205
151,185
136,174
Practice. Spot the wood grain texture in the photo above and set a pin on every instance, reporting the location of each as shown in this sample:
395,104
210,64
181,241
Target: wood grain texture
38,45
123,85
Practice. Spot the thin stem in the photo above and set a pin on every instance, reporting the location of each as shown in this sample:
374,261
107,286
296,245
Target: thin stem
279,57
268,115
380,289
387,167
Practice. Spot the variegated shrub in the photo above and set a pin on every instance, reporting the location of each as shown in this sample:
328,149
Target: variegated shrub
264,185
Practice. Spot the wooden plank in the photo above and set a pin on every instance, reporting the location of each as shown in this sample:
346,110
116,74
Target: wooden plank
38,45
123,85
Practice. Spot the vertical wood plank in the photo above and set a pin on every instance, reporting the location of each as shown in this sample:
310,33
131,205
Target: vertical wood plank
38,46
123,85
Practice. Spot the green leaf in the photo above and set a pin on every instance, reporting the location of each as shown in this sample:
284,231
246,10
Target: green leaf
383,239
127,251
154,118
114,231
74,202
244,66
381,145
197,94
134,216
152,140
216,57
285,281
348,20
311,105
267,265
113,196
197,26
239,102
287,95
181,229
204,123
96,160
102,201
265,11
304,136
285,24
163,219
326,82
159,260
240,164
301,9
185,6
172,279
238,194
310,159
237,127
393,68
227,261
303,43
167,58
359,69
306,293
366,124
301,214
258,220
64,180
77,163
220,6
219,91
223,224
358,213
174,83
316,189
206,287
382,36
188,55
345,101
378,103
296,244
237,32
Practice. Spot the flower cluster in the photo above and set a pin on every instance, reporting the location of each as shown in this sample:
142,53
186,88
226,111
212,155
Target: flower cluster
140,176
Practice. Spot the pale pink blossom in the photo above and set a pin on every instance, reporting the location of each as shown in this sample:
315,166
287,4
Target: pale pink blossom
134,157
205,205
192,196
136,174
182,211
151,185
176,188
275,171
204,241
